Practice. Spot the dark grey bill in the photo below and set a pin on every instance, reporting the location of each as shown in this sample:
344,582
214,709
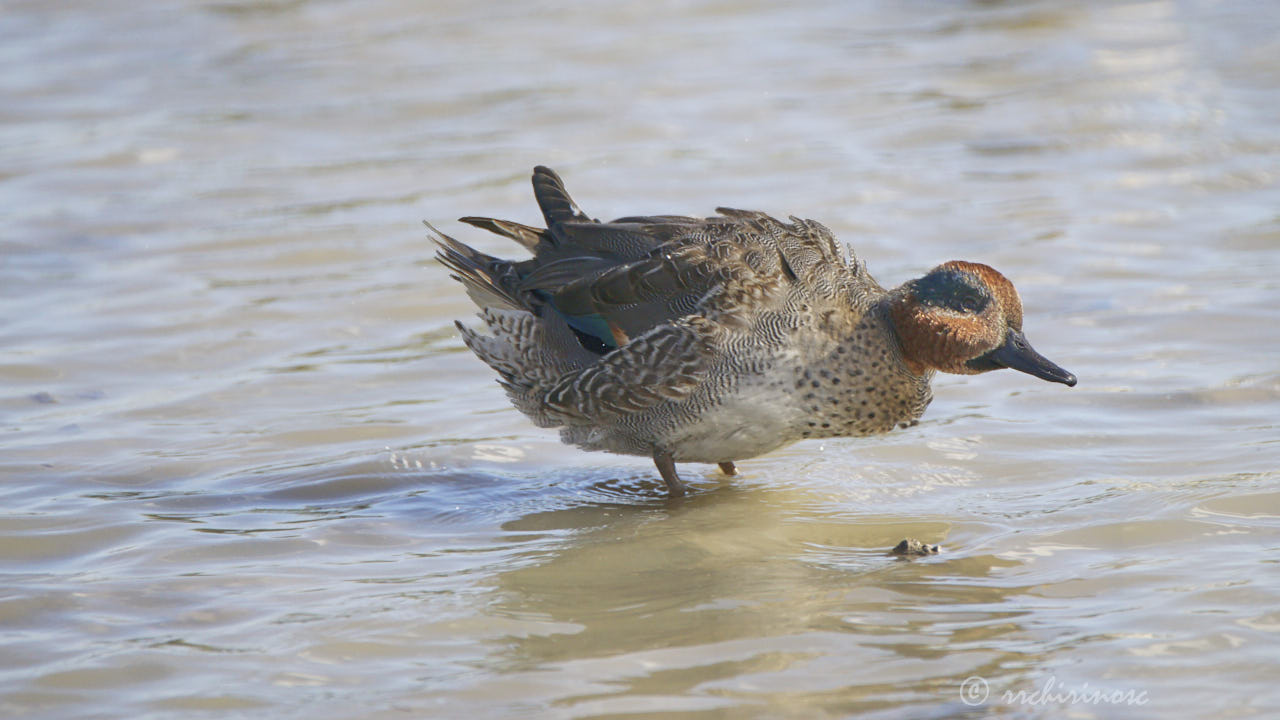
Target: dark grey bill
1017,354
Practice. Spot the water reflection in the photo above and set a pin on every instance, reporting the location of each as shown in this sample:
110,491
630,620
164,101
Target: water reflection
742,593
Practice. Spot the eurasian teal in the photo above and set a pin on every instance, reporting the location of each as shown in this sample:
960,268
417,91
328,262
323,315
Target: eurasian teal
718,339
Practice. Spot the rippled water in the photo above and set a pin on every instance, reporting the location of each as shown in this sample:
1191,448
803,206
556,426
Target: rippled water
248,469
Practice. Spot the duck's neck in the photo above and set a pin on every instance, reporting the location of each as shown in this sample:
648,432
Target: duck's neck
910,332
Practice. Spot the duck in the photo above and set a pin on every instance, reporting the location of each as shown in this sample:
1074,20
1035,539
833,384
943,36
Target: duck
718,339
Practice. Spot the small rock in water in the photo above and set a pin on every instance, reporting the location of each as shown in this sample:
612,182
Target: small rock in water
912,547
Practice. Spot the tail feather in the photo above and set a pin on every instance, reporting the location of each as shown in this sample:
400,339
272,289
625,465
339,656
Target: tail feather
527,236
489,281
553,198
531,343
530,355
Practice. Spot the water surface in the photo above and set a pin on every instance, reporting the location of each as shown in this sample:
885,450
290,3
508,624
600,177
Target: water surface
248,469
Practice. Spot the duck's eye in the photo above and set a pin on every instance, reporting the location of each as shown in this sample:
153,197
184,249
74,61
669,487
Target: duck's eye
969,304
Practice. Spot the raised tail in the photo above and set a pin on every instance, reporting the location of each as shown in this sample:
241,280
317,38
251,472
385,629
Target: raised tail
490,282
530,349
554,200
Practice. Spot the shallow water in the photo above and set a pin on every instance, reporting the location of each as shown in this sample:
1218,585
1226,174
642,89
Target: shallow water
250,471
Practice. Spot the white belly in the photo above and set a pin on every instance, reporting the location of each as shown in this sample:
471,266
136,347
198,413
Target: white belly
734,430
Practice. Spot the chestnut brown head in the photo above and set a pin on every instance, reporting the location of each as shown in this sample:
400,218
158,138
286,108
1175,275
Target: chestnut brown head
966,318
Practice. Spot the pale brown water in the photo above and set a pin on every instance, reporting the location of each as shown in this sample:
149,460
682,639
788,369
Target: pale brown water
248,470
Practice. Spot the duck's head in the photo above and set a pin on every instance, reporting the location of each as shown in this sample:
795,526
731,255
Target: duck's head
966,318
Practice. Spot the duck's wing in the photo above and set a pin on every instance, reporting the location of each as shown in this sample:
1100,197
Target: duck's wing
609,318
732,268
665,364
706,287
617,280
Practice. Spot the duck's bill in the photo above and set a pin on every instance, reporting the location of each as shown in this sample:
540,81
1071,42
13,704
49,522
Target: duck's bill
1017,354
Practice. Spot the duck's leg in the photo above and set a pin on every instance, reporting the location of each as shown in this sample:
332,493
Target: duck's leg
667,468
728,469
